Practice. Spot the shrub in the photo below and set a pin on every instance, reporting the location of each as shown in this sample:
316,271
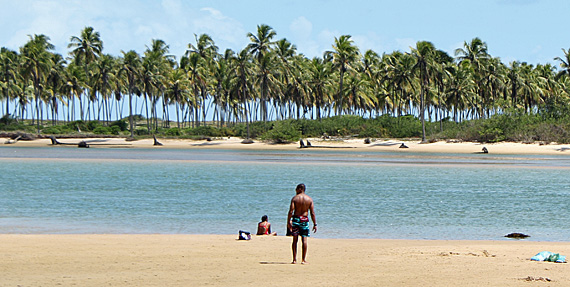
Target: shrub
204,131
121,124
283,132
92,125
400,127
256,129
100,130
141,132
54,130
7,120
115,130
372,132
173,132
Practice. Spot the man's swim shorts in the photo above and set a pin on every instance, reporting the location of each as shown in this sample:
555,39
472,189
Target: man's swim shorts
300,226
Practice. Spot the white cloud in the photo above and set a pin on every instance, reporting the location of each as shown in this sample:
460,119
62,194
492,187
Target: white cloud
369,41
301,28
123,25
172,7
228,31
404,44
301,35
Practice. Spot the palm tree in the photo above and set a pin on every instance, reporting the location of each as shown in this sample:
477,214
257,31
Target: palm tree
155,66
424,54
131,67
159,64
36,65
9,75
243,69
74,81
441,74
86,49
178,89
319,81
371,70
475,52
460,88
564,64
197,76
221,82
260,47
55,84
207,52
343,55
400,79
105,70
284,54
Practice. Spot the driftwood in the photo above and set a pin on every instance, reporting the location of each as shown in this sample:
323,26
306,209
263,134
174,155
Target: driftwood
403,145
83,144
156,142
54,141
12,141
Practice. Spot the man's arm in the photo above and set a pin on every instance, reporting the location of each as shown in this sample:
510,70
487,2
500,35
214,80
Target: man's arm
291,209
313,216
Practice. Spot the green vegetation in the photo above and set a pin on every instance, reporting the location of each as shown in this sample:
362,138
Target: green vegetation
269,91
515,125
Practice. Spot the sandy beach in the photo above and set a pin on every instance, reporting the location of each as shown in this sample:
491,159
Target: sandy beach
221,260
392,145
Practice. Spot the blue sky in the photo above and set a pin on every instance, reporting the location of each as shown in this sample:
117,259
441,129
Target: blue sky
533,31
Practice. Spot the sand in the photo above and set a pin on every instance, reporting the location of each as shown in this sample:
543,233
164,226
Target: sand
391,145
221,260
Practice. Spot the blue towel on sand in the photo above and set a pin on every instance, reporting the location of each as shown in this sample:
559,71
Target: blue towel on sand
549,256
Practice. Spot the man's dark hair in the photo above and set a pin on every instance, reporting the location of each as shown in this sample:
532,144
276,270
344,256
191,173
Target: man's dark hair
301,186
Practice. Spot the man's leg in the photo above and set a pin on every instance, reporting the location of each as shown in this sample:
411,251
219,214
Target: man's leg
304,240
294,248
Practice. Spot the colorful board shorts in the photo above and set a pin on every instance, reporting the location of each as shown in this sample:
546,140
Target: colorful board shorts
300,226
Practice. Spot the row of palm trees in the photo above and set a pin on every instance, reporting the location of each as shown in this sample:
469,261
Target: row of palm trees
268,79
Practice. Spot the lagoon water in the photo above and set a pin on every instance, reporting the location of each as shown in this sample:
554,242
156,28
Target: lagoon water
212,191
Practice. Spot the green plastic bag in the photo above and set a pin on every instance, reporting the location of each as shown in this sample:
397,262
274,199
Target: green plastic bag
553,258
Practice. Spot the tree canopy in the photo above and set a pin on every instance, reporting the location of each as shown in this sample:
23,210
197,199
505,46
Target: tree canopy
269,79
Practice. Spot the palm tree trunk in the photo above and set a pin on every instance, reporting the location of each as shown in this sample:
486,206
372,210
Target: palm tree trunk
131,114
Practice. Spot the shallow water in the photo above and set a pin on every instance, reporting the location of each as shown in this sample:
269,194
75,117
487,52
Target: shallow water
357,194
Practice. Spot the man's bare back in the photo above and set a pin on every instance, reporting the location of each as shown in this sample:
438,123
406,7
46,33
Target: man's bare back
301,204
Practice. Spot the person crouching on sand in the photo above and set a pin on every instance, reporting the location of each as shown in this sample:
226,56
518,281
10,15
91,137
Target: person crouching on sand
264,227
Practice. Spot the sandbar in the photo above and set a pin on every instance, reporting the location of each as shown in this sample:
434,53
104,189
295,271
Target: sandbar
382,145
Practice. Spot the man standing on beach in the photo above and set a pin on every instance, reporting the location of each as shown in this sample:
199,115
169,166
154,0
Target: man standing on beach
298,220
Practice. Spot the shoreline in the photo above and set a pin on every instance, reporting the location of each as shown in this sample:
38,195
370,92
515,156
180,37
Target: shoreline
358,145
221,260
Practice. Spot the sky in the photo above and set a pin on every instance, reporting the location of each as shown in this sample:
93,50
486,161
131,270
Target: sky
532,31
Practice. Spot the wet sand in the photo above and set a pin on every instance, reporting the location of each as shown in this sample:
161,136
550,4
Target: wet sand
221,260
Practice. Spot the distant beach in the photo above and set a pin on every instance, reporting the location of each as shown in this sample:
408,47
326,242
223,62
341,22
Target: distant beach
317,143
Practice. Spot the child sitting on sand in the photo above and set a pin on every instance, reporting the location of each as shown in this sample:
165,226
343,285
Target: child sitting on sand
264,227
